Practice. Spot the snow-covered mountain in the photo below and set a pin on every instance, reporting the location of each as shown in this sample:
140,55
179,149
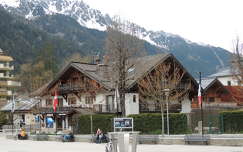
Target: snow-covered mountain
80,11
86,16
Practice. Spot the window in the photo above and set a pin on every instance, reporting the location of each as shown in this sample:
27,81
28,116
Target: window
72,101
48,102
60,102
134,98
90,99
229,83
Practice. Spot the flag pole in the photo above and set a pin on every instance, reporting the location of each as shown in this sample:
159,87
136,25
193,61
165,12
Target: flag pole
200,81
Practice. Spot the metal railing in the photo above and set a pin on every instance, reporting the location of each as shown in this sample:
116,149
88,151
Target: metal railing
51,110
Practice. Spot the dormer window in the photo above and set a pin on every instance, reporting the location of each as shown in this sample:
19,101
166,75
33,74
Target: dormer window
229,83
134,98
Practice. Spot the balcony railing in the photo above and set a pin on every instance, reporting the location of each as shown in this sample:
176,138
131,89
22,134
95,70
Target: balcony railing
101,108
156,107
149,108
6,67
10,83
66,88
98,108
6,76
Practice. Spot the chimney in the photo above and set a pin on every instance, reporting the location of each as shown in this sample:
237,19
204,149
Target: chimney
102,70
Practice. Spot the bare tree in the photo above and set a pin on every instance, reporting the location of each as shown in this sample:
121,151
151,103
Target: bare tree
167,77
237,60
121,45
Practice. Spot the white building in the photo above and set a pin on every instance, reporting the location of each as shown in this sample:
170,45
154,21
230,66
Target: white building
226,77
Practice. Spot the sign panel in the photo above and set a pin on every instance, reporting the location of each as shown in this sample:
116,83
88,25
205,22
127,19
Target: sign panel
120,123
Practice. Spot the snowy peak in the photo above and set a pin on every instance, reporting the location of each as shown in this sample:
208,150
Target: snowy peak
76,9
94,19
10,3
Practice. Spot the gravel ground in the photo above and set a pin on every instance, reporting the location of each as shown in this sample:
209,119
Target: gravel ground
49,146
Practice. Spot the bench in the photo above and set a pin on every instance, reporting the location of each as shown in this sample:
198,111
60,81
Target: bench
196,139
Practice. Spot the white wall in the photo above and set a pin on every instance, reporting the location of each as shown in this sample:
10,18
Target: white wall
100,99
43,102
29,118
131,107
186,106
224,80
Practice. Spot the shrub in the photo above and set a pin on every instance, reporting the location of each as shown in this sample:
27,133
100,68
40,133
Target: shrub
3,118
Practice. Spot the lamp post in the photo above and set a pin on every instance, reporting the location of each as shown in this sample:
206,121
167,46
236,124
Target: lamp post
12,111
162,119
167,91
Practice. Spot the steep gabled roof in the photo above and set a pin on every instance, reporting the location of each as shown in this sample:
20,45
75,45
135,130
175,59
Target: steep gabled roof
90,70
206,83
21,104
137,69
236,92
144,65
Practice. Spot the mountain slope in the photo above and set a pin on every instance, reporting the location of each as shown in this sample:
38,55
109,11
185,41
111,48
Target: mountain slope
22,40
44,13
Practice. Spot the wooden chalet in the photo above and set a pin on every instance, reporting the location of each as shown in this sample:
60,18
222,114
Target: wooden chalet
85,88
216,95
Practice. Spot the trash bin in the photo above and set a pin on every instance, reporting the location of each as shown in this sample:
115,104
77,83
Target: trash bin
123,141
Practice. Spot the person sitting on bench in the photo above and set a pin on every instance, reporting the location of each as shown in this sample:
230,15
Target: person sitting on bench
22,134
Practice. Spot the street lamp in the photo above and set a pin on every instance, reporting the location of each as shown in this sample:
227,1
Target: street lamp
167,92
12,111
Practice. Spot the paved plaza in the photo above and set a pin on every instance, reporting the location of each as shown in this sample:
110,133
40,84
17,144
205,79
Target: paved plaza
49,146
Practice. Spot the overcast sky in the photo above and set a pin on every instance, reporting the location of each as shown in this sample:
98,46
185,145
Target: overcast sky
214,22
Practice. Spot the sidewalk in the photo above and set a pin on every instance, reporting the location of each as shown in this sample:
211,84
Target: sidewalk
52,146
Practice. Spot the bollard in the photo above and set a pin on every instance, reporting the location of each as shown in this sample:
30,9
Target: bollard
124,141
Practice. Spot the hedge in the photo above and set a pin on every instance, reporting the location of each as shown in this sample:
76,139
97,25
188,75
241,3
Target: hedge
102,121
151,123
145,123
231,121
3,118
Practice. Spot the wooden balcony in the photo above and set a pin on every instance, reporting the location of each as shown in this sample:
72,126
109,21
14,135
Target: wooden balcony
101,108
6,67
59,110
68,88
5,93
149,108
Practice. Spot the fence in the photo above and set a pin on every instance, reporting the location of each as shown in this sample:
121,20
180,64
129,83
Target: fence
211,121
